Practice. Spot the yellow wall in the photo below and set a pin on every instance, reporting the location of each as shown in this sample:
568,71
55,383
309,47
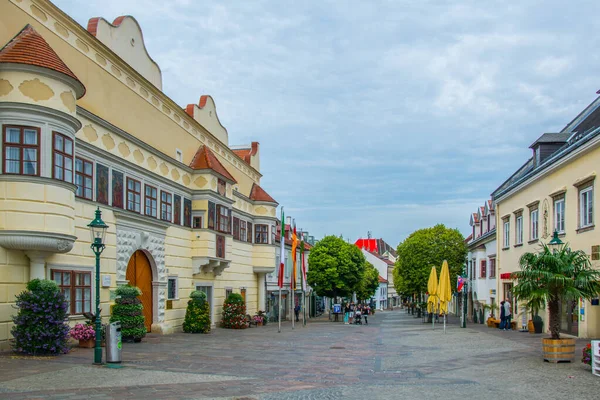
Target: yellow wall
562,178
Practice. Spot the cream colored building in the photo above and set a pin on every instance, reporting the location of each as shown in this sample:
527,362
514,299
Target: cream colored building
553,190
85,124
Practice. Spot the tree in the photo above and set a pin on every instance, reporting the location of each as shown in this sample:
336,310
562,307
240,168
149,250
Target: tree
426,248
336,267
369,284
549,277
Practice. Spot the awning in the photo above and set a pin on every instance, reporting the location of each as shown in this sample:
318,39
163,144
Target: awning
506,275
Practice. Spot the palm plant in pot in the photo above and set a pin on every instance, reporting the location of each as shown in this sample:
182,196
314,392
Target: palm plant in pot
550,277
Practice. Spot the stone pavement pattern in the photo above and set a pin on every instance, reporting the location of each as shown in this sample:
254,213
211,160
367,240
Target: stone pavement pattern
395,357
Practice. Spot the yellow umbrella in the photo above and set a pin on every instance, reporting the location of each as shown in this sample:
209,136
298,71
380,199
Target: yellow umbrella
445,292
432,289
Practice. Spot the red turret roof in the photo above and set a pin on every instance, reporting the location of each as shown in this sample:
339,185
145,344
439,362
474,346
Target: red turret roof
30,48
205,159
258,194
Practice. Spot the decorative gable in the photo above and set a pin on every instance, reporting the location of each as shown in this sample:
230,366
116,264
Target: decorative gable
205,113
205,159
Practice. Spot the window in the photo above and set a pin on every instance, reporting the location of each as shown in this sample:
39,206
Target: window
492,272
559,215
228,292
519,232
177,209
134,195
221,186
236,228
482,270
21,150
150,201
211,215
243,237
243,294
533,216
586,202
506,234
262,234
187,213
166,206
273,230
197,223
222,219
77,288
220,246
117,189
172,288
84,176
249,230
62,156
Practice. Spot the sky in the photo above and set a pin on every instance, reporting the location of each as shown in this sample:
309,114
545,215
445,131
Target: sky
380,116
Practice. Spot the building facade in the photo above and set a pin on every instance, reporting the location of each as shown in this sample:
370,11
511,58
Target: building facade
382,251
554,191
481,261
85,124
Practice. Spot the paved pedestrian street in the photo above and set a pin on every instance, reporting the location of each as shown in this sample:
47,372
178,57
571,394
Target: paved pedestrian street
395,357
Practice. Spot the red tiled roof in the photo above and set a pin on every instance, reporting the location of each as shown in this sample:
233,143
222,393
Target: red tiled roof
381,280
30,48
244,154
468,239
258,194
367,244
205,159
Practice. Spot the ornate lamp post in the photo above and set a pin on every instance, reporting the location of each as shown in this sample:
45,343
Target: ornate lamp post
98,231
555,240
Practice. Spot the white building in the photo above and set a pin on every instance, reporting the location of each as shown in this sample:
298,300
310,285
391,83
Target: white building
481,260
382,265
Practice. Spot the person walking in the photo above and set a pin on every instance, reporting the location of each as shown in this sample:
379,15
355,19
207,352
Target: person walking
366,313
297,312
507,315
346,313
502,316
351,315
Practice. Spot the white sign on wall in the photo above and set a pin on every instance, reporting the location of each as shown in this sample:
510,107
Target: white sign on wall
105,280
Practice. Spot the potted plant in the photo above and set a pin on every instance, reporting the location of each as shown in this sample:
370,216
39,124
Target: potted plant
264,317
85,333
549,277
258,320
538,324
234,312
128,309
197,315
587,354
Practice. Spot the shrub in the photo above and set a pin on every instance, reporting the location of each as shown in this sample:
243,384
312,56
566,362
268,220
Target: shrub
40,327
128,310
197,315
234,312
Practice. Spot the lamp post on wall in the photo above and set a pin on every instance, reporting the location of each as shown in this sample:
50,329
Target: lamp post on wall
555,240
98,232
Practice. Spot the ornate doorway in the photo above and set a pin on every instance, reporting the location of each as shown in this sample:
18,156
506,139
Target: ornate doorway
139,273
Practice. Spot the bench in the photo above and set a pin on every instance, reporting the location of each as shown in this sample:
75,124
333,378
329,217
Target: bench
250,321
496,322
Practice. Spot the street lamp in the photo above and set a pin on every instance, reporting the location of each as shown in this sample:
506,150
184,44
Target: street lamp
555,240
98,232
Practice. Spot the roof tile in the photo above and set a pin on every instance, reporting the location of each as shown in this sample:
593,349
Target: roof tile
258,194
205,159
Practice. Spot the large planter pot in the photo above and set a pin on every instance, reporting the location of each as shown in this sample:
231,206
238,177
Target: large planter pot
558,350
538,326
490,322
530,327
88,344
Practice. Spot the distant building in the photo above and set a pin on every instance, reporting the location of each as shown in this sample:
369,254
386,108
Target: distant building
384,254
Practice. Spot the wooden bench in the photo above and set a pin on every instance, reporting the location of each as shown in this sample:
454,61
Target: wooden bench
496,322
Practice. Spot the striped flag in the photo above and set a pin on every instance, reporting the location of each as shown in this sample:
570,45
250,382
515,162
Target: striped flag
303,266
294,250
282,254
459,283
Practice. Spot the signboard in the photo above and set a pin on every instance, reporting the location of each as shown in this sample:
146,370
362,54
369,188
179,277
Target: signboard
337,308
105,280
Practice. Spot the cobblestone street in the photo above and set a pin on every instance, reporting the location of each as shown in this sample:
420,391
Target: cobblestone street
395,356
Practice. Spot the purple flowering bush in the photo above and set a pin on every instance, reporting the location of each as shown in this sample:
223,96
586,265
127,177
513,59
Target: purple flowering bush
40,327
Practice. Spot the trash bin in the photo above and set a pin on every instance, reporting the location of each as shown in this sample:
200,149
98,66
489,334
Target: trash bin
113,342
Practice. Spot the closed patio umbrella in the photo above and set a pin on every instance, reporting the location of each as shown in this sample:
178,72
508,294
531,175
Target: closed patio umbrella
432,289
444,291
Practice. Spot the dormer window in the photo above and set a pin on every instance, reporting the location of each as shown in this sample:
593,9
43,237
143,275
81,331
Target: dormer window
221,186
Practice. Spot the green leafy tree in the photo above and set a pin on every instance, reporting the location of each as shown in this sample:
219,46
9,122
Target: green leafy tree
336,268
369,284
197,315
549,277
426,248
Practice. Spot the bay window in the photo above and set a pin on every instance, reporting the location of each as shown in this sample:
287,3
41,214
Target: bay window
62,157
166,206
21,150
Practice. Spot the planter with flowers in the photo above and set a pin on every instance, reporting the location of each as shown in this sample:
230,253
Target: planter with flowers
587,355
85,334
234,312
258,319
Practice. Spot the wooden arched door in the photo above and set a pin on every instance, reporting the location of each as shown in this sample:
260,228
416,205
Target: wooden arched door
139,273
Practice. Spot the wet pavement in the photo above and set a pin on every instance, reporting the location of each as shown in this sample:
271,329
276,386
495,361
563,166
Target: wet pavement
395,357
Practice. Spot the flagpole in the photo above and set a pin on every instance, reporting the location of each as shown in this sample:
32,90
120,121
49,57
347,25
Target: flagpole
293,303
279,313
281,266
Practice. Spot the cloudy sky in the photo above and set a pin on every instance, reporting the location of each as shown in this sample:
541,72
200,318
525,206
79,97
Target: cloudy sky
381,116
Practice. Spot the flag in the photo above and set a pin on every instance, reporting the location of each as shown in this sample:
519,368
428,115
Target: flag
459,283
303,266
294,249
282,254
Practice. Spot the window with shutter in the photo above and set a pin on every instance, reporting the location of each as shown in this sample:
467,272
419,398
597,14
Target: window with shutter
249,230
236,228
211,215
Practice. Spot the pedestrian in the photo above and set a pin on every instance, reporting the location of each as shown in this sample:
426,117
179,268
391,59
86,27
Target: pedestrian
502,316
346,313
297,312
351,315
507,315
366,314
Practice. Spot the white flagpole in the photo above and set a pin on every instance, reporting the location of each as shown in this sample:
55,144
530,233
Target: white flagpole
280,276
